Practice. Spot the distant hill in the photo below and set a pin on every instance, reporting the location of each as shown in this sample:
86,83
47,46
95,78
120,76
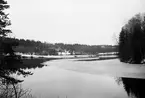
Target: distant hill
43,48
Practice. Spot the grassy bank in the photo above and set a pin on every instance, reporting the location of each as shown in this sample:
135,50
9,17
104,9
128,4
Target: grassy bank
98,59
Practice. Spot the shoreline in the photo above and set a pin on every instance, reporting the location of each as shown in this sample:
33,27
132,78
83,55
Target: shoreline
98,59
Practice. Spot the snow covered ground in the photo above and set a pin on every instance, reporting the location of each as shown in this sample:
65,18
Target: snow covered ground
68,56
54,56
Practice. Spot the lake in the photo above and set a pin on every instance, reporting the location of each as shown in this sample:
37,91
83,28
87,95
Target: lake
70,78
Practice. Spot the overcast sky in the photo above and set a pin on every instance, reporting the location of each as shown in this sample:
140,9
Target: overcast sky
71,21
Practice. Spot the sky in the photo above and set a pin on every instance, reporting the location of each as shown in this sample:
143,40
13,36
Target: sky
91,22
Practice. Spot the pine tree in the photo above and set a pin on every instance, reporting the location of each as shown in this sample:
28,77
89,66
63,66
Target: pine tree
4,22
132,40
8,59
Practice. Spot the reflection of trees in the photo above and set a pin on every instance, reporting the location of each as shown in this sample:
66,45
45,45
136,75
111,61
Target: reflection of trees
10,86
31,63
134,87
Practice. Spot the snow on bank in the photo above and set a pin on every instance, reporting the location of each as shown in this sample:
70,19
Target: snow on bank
66,56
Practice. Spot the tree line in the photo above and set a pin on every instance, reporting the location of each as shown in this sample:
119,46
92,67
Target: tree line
38,47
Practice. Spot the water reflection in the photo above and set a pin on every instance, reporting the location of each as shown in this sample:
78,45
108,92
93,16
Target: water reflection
10,87
62,82
134,87
10,68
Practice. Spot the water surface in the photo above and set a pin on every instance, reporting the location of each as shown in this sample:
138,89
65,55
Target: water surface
75,79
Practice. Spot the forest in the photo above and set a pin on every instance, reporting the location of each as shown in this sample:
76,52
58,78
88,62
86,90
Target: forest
43,48
132,40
